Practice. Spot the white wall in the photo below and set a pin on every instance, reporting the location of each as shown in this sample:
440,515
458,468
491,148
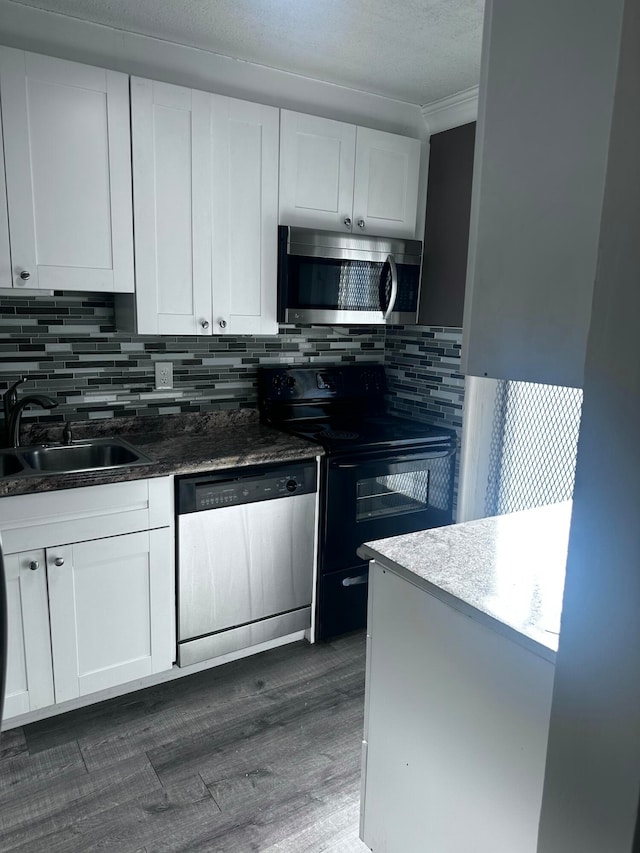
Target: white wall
592,780
544,117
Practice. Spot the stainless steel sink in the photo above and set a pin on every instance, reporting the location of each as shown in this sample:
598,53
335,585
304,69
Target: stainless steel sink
9,463
91,455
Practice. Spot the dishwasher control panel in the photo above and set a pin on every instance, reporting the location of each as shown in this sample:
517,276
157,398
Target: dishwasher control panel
214,491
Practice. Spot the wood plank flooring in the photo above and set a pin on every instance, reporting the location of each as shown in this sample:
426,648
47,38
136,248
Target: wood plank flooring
262,754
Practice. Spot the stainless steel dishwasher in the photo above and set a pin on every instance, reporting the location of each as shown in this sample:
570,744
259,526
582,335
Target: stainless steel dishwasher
245,557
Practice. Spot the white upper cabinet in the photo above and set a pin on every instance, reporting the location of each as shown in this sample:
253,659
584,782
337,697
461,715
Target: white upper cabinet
244,164
317,162
68,174
205,176
172,208
385,192
344,178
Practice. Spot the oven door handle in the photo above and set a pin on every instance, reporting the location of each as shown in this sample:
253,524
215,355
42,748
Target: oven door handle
344,466
394,287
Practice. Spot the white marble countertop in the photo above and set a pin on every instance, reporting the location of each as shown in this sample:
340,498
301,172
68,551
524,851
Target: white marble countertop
507,571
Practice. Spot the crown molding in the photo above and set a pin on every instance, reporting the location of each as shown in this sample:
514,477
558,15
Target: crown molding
452,111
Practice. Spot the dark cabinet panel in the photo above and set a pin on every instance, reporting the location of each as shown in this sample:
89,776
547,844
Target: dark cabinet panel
446,236
342,601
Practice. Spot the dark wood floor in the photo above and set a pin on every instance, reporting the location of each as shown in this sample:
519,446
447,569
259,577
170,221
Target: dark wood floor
259,755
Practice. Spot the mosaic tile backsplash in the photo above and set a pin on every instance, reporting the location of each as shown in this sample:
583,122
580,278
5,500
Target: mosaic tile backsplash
69,348
423,371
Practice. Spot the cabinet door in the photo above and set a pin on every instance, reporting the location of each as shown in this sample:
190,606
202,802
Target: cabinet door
244,155
29,674
172,208
317,157
112,611
68,162
6,278
385,195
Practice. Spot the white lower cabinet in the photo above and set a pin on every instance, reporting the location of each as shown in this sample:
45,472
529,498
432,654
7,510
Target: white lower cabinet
90,615
29,673
110,605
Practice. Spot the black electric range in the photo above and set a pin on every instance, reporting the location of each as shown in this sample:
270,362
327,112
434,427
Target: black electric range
381,475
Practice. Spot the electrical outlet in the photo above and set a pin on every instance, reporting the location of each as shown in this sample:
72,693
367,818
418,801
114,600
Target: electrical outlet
164,375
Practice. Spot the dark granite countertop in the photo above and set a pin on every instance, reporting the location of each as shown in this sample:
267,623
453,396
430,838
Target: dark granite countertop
506,571
178,444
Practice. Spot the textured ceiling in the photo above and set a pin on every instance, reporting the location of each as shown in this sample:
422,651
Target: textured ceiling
414,50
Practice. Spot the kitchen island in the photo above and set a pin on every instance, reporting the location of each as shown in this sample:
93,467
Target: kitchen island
463,628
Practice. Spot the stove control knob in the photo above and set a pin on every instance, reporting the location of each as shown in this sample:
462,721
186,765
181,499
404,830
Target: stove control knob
290,381
291,485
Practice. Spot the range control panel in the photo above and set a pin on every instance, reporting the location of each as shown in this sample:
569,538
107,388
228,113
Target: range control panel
201,493
330,382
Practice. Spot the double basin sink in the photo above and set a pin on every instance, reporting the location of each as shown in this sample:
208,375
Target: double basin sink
92,455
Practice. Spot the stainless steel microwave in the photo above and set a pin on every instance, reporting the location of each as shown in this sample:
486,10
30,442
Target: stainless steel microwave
331,278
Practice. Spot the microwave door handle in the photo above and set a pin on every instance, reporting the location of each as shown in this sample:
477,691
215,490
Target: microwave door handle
394,287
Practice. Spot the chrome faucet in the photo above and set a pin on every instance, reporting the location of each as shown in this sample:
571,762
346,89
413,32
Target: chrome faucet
14,407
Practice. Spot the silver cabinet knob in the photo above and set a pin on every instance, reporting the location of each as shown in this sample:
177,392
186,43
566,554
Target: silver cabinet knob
59,561
223,324
204,324
347,221
25,275
33,565
361,223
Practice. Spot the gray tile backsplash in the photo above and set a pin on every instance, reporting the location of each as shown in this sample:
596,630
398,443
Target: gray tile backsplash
423,371
68,347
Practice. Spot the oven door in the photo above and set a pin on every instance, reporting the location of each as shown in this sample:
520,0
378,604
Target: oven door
383,495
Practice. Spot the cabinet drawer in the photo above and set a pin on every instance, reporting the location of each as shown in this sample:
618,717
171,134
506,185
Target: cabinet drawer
91,512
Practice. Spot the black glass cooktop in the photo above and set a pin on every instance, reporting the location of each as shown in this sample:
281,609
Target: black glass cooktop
370,432
342,408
